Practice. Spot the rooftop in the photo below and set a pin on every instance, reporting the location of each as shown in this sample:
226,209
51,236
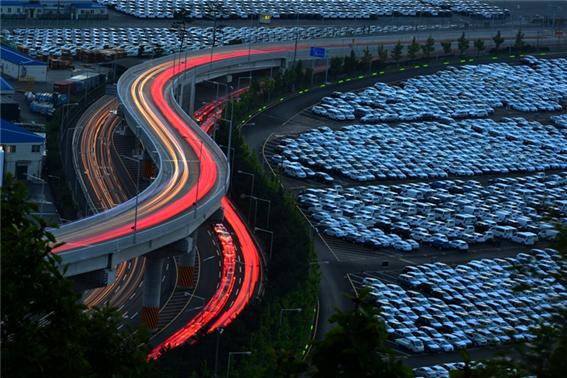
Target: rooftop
17,57
4,85
12,134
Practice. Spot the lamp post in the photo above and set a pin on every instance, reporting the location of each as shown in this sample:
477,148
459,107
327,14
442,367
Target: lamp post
271,233
256,207
298,309
251,188
230,354
219,332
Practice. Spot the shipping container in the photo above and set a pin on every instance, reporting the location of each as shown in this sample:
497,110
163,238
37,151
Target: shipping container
63,87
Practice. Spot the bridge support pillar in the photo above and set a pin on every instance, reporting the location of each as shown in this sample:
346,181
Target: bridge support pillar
152,291
186,264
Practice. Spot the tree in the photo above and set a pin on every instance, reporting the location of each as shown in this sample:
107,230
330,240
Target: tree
382,54
479,46
519,43
366,60
413,49
428,47
350,62
462,44
355,347
45,328
498,40
397,52
335,66
446,45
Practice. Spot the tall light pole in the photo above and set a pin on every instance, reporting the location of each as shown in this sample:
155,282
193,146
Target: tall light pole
230,354
251,189
256,207
298,309
219,332
271,238
135,226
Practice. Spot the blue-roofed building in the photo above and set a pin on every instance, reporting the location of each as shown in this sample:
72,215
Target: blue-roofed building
5,87
74,9
23,150
21,66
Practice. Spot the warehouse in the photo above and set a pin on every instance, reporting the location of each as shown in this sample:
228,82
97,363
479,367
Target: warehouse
23,150
21,67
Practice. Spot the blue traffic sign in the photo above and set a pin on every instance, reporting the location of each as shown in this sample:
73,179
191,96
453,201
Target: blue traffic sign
318,52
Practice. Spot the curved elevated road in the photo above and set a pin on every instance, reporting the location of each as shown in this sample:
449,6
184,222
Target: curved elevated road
193,171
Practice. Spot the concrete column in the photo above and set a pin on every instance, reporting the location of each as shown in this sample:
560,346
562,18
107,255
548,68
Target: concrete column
192,85
152,291
186,264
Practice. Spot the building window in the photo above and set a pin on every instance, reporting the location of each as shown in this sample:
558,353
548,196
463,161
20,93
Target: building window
10,149
36,148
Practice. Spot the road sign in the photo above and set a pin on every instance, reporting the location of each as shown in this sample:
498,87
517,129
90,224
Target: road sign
318,52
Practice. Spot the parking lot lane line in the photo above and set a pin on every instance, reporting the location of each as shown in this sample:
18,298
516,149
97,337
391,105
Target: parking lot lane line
351,284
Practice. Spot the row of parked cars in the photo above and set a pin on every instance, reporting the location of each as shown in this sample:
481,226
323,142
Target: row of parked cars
442,370
464,92
560,120
439,308
430,149
329,9
53,41
448,214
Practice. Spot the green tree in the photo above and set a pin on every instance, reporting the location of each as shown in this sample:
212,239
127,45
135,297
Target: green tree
350,63
366,60
428,47
335,66
498,40
446,45
479,46
396,52
519,43
45,328
463,44
413,49
356,346
382,54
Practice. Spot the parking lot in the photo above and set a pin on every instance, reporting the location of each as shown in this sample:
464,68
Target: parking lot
162,40
327,9
468,91
438,308
449,214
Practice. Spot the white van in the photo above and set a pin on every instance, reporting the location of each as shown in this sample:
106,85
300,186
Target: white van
504,232
525,238
465,219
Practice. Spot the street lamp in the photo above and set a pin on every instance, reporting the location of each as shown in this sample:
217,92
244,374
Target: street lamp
230,354
256,199
271,238
298,309
251,188
219,332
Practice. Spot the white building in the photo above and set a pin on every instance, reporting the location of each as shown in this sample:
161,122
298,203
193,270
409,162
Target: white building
21,67
74,9
23,151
